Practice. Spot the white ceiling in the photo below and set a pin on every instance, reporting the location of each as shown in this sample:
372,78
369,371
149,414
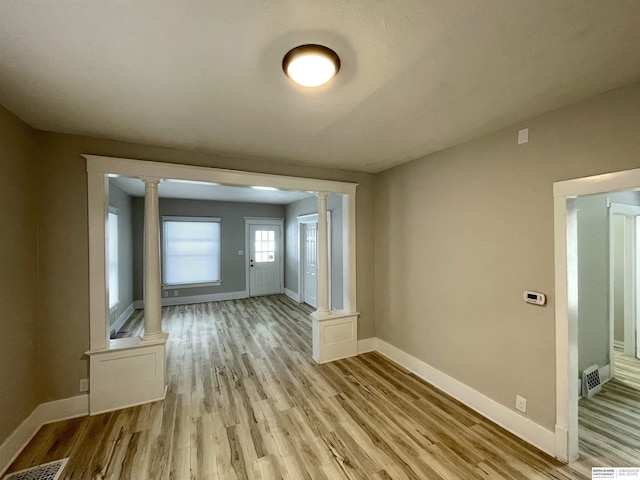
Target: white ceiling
417,75
210,191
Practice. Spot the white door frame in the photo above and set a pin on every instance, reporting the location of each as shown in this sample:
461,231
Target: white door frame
304,219
248,222
566,292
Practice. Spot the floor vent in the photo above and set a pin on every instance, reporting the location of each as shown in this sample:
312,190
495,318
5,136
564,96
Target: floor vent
591,383
48,471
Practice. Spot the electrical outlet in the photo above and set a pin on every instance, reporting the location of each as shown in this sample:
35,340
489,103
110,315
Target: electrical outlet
521,404
84,385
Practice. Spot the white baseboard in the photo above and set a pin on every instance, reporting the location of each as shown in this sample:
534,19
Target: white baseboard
618,343
188,300
508,419
367,345
292,295
122,318
44,413
562,444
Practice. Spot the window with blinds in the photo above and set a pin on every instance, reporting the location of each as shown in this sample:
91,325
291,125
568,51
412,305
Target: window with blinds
191,250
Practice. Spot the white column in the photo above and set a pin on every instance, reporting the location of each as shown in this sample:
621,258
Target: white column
323,257
152,284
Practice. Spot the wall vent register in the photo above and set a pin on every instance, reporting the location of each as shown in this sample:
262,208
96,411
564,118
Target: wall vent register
47,471
591,383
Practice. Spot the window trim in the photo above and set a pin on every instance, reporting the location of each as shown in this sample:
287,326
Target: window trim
193,219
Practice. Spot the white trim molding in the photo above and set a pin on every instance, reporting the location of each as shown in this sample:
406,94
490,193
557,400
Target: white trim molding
292,295
566,293
123,318
508,419
367,345
43,414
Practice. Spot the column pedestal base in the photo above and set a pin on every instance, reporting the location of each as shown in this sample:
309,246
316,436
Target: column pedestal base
130,372
335,336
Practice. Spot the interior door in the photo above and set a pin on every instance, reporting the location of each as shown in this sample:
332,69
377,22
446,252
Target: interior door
264,265
310,264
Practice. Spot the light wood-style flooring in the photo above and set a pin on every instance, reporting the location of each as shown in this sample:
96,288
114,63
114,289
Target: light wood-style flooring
246,401
609,422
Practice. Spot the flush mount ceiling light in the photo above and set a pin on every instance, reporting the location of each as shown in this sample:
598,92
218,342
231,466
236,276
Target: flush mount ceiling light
311,65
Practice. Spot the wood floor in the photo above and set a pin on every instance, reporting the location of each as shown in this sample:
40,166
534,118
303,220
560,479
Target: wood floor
609,422
246,401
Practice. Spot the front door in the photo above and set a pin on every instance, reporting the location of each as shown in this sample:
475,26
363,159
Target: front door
264,265
310,264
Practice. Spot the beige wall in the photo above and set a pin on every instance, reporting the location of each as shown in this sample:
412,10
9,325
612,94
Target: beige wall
461,233
64,250
19,369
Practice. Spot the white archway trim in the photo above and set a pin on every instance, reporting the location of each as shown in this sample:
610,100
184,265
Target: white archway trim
565,236
110,389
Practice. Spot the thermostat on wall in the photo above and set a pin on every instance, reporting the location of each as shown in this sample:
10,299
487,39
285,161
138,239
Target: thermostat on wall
536,298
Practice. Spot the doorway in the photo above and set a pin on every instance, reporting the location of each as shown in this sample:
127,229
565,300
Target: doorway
624,270
309,262
308,269
567,298
265,263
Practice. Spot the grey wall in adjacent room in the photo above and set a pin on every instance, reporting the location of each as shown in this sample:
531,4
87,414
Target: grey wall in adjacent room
232,227
593,281
292,246
618,277
593,277
123,203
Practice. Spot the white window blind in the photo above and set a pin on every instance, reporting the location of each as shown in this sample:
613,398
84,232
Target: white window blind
191,250
113,260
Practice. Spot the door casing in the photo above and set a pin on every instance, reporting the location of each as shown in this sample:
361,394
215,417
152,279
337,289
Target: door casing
566,298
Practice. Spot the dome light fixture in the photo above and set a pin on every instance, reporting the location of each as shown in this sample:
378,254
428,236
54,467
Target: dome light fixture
311,65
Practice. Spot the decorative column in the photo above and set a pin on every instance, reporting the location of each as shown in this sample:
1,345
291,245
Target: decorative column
334,333
323,257
152,284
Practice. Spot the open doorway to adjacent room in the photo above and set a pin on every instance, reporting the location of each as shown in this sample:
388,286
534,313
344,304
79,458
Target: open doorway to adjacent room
597,272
